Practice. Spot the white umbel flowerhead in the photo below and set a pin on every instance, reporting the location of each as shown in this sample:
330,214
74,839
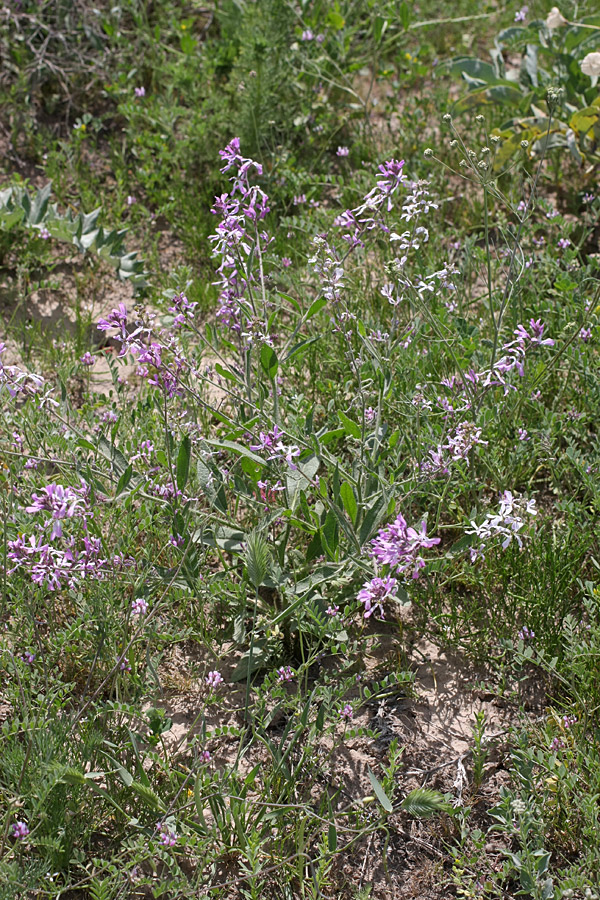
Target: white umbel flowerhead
555,18
590,64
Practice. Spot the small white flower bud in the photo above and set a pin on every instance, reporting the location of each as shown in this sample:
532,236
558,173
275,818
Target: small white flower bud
524,144
428,152
447,118
454,143
480,118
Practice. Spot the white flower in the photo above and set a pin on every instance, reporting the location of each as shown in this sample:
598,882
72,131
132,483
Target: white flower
555,18
590,65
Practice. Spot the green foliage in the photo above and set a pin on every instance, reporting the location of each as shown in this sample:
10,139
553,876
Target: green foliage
19,208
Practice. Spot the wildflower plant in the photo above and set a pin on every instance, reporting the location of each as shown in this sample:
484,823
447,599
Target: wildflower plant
357,421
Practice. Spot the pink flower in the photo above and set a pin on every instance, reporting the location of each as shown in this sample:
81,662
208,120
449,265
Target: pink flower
342,151
398,546
346,713
214,678
20,830
140,91
139,607
168,836
284,673
374,592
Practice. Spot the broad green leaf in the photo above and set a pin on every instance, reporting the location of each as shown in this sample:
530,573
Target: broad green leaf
237,448
315,307
183,462
349,501
350,427
380,793
269,361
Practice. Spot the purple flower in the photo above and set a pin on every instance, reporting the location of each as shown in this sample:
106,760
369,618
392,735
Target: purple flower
526,634
284,673
537,334
20,830
44,233
346,713
139,607
374,592
286,262
521,14
557,744
307,35
62,502
28,657
342,151
399,546
117,318
523,434
332,610
205,756
87,359
588,198
131,200
563,243
168,836
214,678
140,91
585,334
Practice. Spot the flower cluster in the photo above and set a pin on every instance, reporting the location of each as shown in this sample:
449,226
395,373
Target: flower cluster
214,679
167,836
526,634
57,566
373,594
272,443
62,503
20,830
458,445
236,242
284,673
399,546
268,492
17,381
506,524
370,213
